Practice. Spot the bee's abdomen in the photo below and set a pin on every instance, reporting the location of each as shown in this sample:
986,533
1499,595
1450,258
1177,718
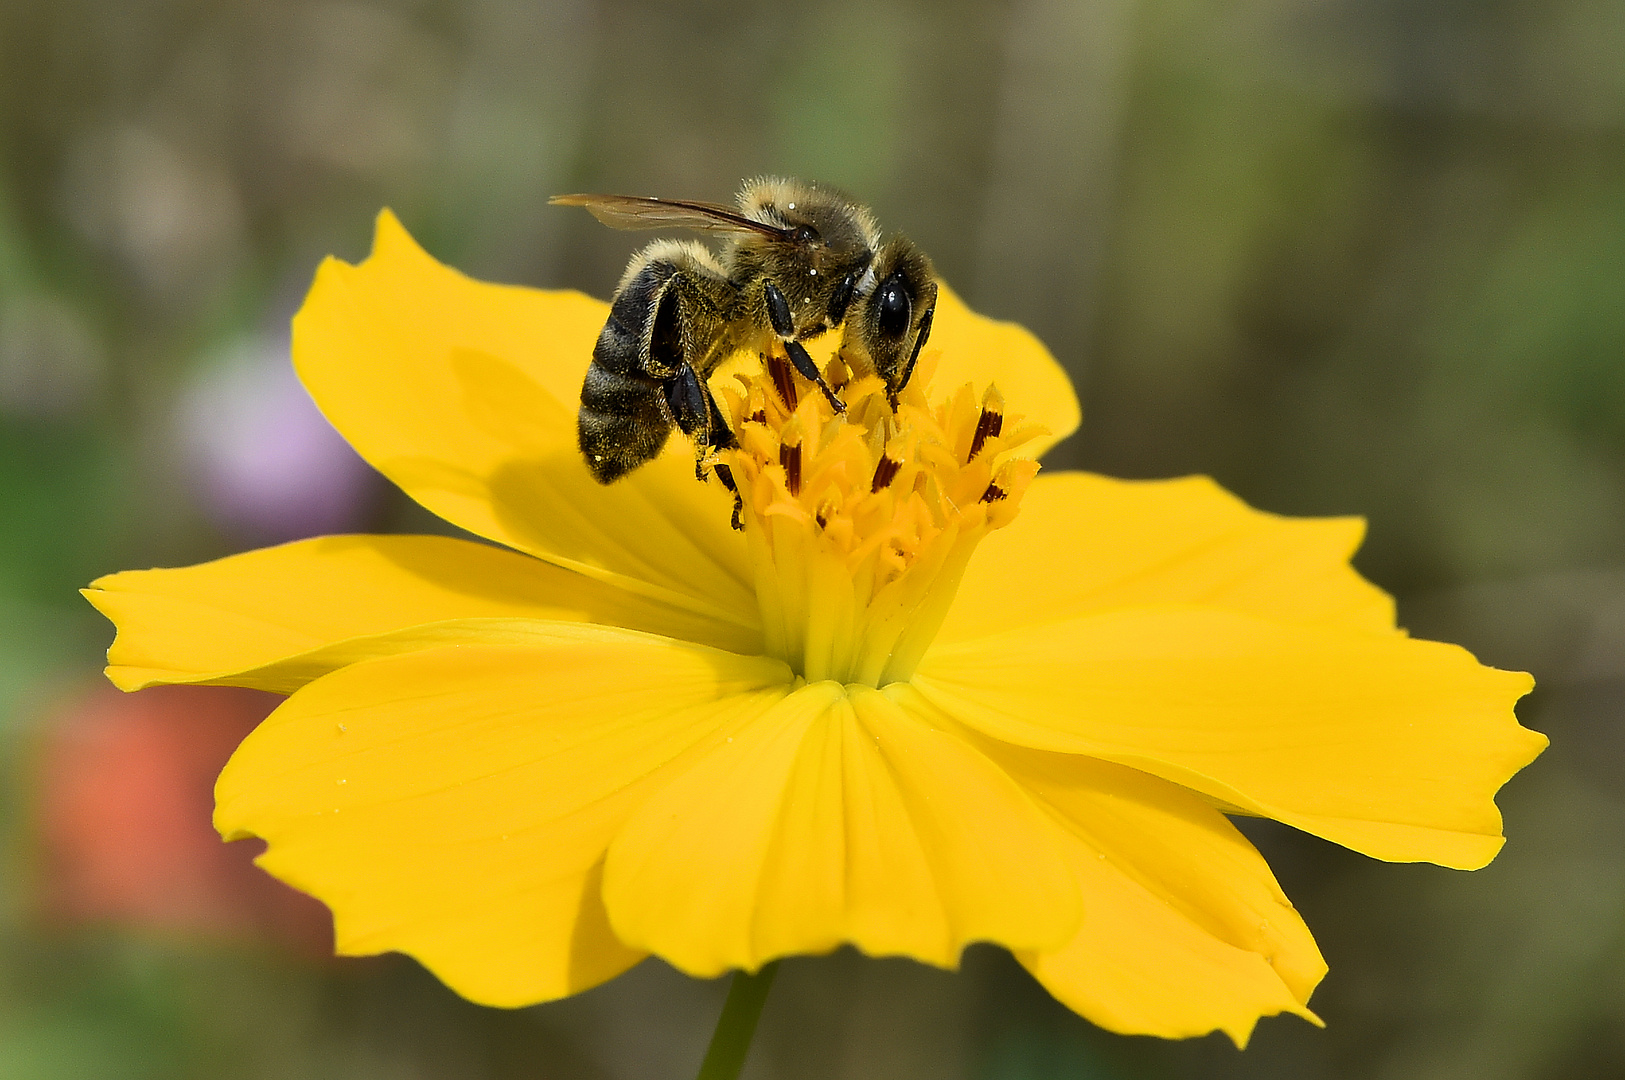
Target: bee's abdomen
620,345
623,422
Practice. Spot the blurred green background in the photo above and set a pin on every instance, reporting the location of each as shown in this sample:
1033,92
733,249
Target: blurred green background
1347,256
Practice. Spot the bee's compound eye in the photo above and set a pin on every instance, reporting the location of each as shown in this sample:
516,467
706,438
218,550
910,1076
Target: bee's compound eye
891,307
804,234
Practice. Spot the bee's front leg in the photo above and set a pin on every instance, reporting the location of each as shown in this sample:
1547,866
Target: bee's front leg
784,326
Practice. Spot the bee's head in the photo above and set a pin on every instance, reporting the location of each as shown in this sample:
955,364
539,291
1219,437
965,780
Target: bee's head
891,317
830,244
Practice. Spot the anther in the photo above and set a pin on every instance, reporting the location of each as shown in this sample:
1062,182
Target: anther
778,366
885,472
989,424
993,494
790,458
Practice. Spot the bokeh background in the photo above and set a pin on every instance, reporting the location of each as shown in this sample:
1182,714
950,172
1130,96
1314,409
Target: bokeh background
1347,256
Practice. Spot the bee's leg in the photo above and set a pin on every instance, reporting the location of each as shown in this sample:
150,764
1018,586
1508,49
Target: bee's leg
726,475
691,407
919,343
719,437
688,401
715,435
809,370
841,300
722,436
784,325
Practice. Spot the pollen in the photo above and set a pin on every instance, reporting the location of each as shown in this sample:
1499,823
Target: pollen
860,524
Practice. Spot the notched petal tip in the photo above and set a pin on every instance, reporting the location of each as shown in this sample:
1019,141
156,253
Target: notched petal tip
389,235
1391,746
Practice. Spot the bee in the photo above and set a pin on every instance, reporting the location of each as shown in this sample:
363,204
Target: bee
797,260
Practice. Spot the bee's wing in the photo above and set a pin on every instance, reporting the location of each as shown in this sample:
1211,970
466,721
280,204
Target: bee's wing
633,212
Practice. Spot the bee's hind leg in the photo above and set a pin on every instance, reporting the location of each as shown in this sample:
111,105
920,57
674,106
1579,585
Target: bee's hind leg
720,438
697,415
726,475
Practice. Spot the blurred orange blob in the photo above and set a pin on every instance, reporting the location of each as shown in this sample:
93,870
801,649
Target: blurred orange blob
123,799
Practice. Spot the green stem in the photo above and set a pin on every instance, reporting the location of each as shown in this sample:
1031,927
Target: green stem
731,1041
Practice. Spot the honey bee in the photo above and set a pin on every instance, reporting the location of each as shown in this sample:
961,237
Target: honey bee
797,260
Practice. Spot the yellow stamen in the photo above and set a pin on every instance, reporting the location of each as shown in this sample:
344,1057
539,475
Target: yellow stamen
860,524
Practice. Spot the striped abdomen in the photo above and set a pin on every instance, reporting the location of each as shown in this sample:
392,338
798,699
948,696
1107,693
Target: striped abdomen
623,421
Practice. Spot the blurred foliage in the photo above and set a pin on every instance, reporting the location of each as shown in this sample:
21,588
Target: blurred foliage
1348,256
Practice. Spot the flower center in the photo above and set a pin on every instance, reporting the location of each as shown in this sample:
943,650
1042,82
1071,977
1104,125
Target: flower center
860,523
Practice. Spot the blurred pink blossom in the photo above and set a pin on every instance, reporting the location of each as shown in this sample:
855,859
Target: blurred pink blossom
267,465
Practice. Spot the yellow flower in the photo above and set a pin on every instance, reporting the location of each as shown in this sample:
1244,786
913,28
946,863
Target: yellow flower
922,699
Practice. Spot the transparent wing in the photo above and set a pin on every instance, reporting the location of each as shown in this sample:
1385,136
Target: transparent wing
633,212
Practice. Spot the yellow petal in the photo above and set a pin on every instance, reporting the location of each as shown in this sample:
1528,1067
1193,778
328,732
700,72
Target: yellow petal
837,818
1095,543
973,348
1390,746
279,617
1185,930
465,394
454,804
